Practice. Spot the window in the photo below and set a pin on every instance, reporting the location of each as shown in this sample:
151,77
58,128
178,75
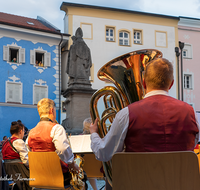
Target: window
13,54
39,92
137,36
92,73
13,92
87,30
110,33
63,107
161,39
124,38
40,58
187,51
187,81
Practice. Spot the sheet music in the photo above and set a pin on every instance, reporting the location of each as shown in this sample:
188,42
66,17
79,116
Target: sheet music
80,143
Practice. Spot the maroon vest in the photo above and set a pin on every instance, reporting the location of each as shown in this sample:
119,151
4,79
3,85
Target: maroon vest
161,123
8,152
39,140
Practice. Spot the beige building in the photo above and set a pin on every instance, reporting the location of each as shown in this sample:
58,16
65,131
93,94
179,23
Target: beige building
111,32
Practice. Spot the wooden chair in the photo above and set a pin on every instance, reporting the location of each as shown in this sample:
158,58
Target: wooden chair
156,171
45,170
92,166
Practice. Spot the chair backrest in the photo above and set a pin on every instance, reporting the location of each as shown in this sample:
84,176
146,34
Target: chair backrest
45,169
156,171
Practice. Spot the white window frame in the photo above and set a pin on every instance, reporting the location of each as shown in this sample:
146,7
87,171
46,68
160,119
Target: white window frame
136,39
41,86
191,79
47,57
20,92
124,38
188,50
20,55
110,38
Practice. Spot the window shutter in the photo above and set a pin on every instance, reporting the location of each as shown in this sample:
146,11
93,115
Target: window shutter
9,97
32,57
43,92
14,92
36,94
5,53
39,93
17,90
22,55
47,59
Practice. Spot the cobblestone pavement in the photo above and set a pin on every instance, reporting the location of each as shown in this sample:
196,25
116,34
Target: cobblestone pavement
100,184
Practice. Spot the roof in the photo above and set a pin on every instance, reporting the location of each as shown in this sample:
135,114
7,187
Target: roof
26,22
114,9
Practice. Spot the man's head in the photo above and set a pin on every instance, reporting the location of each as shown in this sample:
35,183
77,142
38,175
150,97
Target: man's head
46,108
86,125
158,75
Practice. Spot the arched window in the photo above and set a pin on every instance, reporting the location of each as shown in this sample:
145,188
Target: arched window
124,38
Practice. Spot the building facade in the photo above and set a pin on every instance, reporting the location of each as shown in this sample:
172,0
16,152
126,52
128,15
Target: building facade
30,63
111,32
189,32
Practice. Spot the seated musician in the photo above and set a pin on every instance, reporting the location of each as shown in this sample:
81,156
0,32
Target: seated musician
48,136
157,123
14,148
15,156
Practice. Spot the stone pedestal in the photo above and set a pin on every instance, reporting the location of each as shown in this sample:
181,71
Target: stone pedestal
77,108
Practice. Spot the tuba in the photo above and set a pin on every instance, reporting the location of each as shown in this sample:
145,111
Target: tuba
125,72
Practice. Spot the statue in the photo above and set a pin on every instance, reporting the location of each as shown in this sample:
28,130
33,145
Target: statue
79,60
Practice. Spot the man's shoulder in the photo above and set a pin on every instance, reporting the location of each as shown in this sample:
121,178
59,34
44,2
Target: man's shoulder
156,98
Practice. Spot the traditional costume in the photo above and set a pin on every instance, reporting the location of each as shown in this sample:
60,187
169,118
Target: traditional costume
156,123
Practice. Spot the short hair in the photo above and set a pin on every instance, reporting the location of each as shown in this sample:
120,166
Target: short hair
16,127
44,106
86,125
5,137
159,74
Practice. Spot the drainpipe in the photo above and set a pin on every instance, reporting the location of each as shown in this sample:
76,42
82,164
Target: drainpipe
177,56
181,46
59,69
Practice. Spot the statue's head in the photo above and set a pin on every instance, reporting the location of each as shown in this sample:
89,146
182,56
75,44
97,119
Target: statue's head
74,38
79,33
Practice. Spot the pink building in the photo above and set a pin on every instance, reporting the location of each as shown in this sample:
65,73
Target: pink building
189,33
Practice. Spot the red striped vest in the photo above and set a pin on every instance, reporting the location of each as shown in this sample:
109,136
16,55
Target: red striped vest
8,152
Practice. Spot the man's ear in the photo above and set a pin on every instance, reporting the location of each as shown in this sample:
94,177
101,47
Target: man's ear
171,84
51,111
144,83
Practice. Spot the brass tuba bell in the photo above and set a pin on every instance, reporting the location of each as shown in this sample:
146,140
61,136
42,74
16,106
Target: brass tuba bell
125,72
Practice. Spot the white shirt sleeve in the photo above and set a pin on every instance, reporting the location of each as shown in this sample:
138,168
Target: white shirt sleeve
63,149
20,146
26,142
113,142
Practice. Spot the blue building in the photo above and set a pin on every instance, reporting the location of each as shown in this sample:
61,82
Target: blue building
30,62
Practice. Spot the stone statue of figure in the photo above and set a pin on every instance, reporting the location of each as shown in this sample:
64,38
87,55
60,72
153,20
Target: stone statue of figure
79,59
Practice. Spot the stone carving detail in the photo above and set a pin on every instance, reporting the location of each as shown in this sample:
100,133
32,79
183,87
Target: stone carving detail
79,60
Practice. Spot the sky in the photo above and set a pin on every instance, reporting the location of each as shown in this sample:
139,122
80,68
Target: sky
50,9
